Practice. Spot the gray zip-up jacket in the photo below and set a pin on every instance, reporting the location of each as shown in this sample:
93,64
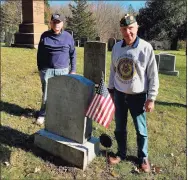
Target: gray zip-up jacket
133,69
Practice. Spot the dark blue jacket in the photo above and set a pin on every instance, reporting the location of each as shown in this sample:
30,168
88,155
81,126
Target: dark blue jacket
56,51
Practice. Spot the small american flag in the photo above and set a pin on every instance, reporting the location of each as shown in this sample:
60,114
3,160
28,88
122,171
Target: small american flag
102,107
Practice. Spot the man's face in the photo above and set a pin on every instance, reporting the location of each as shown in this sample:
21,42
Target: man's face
56,25
129,32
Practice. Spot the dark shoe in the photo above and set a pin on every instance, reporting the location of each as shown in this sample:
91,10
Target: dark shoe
114,160
145,166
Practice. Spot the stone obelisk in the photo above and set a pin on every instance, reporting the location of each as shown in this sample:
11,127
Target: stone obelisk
32,24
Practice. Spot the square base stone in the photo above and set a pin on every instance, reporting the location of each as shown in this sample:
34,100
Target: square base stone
172,73
75,153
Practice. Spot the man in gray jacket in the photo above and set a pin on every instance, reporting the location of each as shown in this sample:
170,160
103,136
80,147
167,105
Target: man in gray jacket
133,84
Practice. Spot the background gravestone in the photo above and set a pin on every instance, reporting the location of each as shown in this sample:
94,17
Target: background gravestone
111,42
67,101
94,60
33,24
167,64
82,41
97,38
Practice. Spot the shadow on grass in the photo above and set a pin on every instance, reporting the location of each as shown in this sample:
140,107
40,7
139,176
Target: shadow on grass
17,139
171,104
16,110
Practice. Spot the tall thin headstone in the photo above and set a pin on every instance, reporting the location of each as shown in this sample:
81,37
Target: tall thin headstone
94,60
33,24
111,42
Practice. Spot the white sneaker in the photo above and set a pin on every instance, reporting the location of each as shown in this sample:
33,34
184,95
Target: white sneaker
40,120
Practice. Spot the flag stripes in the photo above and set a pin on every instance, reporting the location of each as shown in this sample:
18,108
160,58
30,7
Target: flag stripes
102,107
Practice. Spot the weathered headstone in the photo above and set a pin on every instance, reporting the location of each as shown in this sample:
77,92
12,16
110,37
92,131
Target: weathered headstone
67,132
167,64
33,24
111,42
82,41
68,98
157,58
94,60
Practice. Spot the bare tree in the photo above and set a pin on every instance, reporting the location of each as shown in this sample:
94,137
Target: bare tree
107,17
11,17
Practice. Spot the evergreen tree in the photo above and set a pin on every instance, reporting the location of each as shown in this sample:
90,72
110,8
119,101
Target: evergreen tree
81,23
163,19
131,10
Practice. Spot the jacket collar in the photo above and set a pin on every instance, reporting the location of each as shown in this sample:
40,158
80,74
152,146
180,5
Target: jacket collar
134,45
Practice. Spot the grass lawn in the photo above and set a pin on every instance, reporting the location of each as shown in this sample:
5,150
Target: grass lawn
21,97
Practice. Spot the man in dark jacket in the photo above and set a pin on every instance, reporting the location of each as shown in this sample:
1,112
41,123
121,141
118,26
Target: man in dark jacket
56,56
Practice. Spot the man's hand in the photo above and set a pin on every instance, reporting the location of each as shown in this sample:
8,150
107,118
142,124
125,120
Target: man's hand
72,73
149,105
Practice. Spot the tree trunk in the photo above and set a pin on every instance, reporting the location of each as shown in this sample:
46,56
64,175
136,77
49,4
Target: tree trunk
174,43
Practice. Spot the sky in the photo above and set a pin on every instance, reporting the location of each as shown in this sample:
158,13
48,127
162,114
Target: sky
135,4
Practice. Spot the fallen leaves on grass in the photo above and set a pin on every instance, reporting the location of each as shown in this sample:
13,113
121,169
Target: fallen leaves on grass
114,174
136,170
155,169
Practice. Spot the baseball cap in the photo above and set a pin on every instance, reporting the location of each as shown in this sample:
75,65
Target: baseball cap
127,19
58,17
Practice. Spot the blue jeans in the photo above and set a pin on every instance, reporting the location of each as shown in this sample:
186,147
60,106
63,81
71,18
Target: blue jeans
135,104
44,76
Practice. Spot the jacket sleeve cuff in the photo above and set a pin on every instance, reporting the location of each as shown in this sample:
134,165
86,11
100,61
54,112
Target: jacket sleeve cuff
151,97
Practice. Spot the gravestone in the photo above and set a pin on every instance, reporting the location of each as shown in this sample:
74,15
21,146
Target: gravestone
32,26
167,64
69,31
67,131
77,43
94,60
82,41
157,58
111,42
97,38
